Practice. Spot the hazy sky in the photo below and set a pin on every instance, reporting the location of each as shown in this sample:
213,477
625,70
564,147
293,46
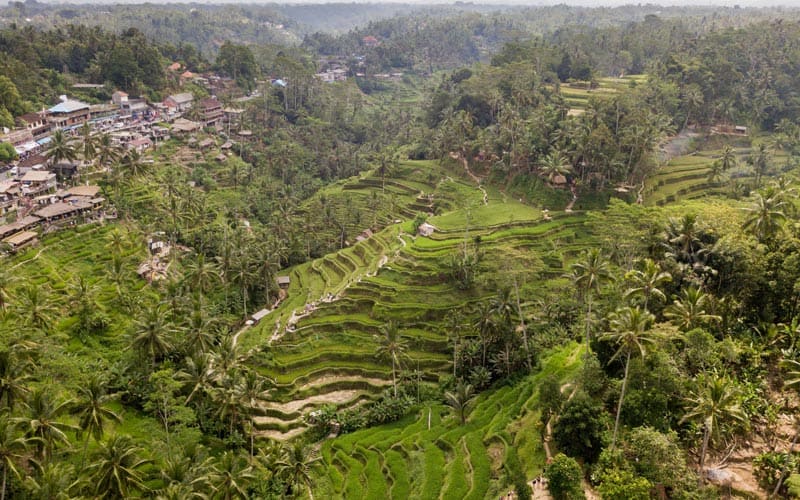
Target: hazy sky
586,3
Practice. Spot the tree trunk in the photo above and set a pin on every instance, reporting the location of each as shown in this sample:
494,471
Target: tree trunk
394,379
588,320
706,437
621,397
524,328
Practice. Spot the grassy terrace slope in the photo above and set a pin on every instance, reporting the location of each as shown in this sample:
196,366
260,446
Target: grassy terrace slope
577,95
428,455
322,334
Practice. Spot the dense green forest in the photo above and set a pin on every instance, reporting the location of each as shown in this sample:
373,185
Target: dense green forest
527,249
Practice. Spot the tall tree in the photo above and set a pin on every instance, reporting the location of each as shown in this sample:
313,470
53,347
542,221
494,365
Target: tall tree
391,345
765,216
689,311
92,410
116,471
13,448
630,331
296,464
61,148
646,282
589,274
714,401
151,334
43,423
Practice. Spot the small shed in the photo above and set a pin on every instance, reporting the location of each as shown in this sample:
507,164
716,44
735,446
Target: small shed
283,282
258,316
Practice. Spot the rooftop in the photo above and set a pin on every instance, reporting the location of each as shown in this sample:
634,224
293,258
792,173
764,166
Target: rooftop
88,191
61,208
20,238
68,106
38,176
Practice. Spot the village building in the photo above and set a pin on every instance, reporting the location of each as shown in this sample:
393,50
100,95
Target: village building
22,224
68,209
212,111
21,240
32,162
119,97
69,113
36,182
178,103
182,125
283,282
21,139
36,123
9,193
370,41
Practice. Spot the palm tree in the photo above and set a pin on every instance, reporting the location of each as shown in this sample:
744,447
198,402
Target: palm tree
107,151
296,464
61,148
202,274
13,448
630,331
252,388
150,336
714,401
133,163
588,275
115,472
199,374
391,345
485,324
766,215
92,411
43,425
646,281
760,161
6,281
13,376
728,159
454,330
460,400
553,165
88,143
689,311
53,481
683,238
34,307
230,475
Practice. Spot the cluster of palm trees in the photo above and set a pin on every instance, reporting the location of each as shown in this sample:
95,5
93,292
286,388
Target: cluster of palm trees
634,330
95,150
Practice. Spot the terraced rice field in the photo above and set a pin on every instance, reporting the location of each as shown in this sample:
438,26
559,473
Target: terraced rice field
322,335
429,455
577,95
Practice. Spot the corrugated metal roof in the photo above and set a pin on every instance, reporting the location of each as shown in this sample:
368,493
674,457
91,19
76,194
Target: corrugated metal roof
68,106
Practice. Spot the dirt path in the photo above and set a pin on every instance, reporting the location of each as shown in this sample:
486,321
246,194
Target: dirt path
472,176
677,145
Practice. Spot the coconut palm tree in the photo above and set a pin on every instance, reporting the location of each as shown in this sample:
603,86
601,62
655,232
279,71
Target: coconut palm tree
728,159
766,216
151,334
230,475
107,152
115,472
689,311
7,280
202,274
60,149
630,331
486,325
88,143
199,374
646,282
42,423
13,377
92,411
460,400
588,275
34,307
391,345
13,449
52,481
553,165
252,388
133,163
760,161
713,402
296,464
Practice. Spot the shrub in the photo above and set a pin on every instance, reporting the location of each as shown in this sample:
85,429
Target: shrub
623,485
564,478
580,429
